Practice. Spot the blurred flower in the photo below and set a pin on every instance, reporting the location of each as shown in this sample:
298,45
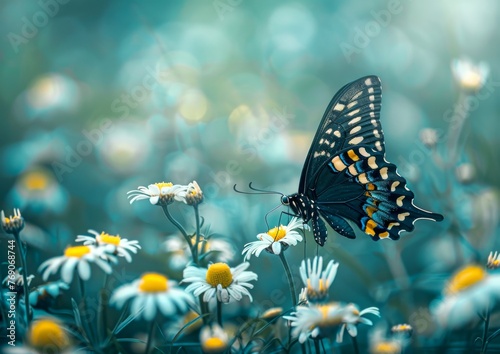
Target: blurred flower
158,193
316,280
470,76
192,194
465,173
303,296
213,339
178,252
321,320
77,257
44,336
381,344
44,295
429,137
272,313
181,324
469,292
38,190
114,244
493,260
150,293
229,284
18,280
12,224
277,239
403,328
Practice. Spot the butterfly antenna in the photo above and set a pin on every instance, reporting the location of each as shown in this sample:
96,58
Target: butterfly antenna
263,191
267,214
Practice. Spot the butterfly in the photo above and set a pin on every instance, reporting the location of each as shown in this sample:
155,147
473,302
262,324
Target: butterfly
346,176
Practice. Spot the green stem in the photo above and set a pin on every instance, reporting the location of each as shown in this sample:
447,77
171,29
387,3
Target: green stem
316,346
484,346
102,318
150,337
195,247
291,285
178,226
85,322
219,313
355,344
24,274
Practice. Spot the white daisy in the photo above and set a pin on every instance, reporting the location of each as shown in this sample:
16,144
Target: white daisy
213,339
469,75
115,244
469,292
44,294
150,293
229,284
493,260
317,280
322,320
277,239
379,343
12,224
77,257
159,193
191,194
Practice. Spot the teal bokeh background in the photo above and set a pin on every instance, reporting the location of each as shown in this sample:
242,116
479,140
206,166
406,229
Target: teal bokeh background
100,97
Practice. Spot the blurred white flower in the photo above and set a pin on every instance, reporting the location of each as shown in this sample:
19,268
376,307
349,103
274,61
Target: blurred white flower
12,224
470,76
493,260
228,284
43,295
113,243
150,293
277,239
191,194
429,137
469,292
78,257
214,339
465,173
322,320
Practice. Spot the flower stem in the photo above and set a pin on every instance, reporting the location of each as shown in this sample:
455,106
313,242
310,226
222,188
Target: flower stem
316,346
178,226
219,313
291,285
102,319
24,273
150,337
195,246
85,322
355,345
484,346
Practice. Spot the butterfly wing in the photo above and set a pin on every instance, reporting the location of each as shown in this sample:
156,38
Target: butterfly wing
361,185
346,172
351,118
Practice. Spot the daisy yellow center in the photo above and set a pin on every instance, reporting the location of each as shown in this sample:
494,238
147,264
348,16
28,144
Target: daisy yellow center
214,345
153,283
77,251
465,278
326,319
322,285
277,233
110,239
48,334
386,348
11,219
163,184
36,181
472,79
219,273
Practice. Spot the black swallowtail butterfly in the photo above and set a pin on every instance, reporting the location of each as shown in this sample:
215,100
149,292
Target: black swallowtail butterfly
346,175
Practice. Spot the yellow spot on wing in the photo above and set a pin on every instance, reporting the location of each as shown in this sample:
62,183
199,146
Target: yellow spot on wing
371,187
338,107
383,234
363,152
394,185
362,178
353,171
383,173
392,224
370,210
370,226
352,155
402,216
399,201
356,140
372,163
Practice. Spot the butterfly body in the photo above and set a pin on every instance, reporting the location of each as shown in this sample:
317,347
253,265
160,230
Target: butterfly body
346,176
